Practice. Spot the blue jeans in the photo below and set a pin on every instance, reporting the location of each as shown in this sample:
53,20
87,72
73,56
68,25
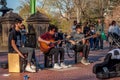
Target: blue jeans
91,42
23,37
99,43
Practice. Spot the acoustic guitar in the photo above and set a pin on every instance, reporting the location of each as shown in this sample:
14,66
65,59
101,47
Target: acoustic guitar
77,41
46,47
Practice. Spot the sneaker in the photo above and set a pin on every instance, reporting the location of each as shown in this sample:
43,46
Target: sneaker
63,65
56,66
83,62
87,61
29,69
91,49
69,66
33,67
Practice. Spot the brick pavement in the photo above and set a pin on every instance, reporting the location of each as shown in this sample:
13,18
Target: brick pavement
78,72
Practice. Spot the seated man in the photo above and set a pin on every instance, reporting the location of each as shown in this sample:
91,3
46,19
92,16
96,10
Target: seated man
80,46
47,45
15,45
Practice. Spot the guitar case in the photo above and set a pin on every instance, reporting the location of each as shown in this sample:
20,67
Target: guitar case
109,68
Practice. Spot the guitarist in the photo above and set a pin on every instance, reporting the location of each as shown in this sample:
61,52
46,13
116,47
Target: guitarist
81,46
46,38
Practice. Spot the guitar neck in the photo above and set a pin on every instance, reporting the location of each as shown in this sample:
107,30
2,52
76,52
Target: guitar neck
84,38
55,42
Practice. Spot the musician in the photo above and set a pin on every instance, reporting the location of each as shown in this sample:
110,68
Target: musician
56,51
81,46
15,45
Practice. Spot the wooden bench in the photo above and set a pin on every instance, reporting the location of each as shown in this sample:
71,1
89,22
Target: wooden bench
15,63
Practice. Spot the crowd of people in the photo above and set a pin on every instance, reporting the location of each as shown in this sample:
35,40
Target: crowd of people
89,29
84,38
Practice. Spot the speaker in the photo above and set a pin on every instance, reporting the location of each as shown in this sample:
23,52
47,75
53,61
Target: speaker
13,62
30,40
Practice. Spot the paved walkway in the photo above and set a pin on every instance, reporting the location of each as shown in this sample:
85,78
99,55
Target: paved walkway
77,72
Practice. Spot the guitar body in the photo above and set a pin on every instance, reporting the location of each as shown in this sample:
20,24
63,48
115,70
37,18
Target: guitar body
45,47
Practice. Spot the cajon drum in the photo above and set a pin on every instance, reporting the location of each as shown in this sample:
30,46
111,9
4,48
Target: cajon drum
13,62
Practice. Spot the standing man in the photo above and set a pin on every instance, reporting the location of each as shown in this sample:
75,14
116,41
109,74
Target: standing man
99,30
15,45
86,29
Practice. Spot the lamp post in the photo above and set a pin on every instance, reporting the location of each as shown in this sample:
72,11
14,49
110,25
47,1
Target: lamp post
32,6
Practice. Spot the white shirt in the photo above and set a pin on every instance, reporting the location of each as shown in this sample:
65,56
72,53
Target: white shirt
114,29
111,28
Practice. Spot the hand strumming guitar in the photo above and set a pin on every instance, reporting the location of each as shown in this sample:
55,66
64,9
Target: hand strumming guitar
47,42
74,42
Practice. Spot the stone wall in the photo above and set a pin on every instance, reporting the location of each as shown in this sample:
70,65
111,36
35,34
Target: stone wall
40,23
7,21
